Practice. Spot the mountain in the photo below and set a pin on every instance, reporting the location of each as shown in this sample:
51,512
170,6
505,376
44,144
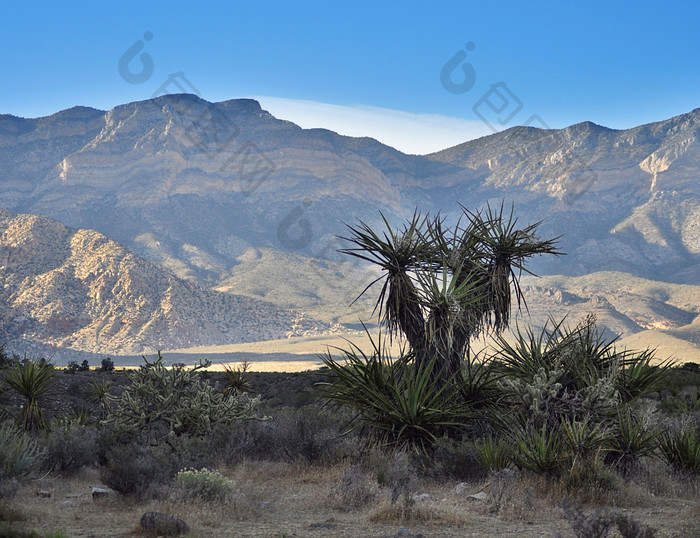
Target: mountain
76,290
623,200
228,197
191,185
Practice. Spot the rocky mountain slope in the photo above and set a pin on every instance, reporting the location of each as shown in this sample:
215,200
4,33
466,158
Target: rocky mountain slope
191,185
226,196
76,290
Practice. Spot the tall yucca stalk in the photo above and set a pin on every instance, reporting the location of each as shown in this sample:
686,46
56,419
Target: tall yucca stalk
32,381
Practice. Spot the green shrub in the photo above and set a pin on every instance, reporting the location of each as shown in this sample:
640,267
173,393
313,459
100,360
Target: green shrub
455,459
203,484
306,434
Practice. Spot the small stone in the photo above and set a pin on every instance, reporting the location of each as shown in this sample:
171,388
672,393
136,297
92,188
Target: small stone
481,496
403,532
163,524
99,493
42,493
422,497
328,524
72,496
67,504
460,488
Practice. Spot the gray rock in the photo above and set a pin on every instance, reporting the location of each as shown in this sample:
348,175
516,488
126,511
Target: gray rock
422,497
460,489
67,504
100,493
163,524
42,493
481,496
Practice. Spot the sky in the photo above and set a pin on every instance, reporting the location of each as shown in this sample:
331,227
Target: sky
415,75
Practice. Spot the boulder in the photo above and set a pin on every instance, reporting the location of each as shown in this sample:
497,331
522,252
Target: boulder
162,524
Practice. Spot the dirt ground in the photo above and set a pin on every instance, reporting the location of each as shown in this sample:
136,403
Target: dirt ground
280,500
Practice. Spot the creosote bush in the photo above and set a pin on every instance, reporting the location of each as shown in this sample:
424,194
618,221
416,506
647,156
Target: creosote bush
70,448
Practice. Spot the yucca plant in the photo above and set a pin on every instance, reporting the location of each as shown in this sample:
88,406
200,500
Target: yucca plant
572,373
583,441
540,450
681,448
443,286
99,393
32,381
237,381
638,377
399,403
75,417
630,441
20,454
440,287
495,453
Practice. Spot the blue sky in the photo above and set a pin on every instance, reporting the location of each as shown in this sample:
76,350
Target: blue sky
367,68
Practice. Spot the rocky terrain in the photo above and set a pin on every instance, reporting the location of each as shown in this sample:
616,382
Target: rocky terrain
76,290
228,197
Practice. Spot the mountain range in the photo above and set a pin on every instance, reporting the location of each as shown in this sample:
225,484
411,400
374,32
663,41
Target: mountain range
223,199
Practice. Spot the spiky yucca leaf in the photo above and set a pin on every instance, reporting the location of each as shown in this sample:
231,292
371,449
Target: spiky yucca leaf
681,448
399,401
31,380
630,441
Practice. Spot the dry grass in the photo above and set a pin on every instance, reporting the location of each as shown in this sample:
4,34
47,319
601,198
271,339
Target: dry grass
283,499
422,512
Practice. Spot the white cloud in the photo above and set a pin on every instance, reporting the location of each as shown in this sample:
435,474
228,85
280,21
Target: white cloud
405,131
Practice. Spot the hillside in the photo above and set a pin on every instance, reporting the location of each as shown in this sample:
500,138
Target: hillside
76,290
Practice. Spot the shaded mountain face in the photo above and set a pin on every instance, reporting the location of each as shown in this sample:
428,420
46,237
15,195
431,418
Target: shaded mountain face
76,290
192,185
